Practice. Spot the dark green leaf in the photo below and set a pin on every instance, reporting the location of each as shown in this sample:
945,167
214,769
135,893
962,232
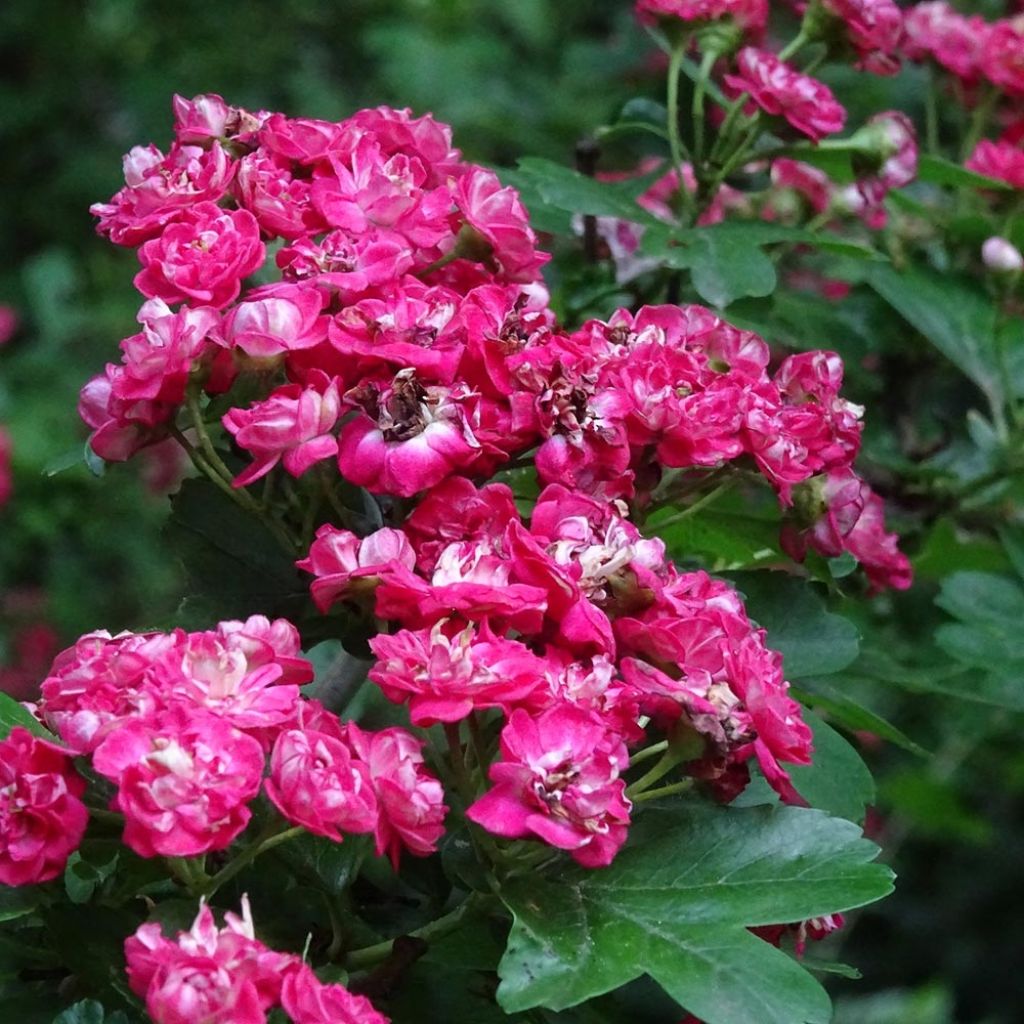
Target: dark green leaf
235,565
837,780
676,903
13,714
813,641
723,540
332,865
936,170
956,317
17,901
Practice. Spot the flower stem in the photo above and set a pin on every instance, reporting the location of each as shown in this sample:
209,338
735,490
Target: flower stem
668,761
653,794
260,845
652,751
798,42
706,64
360,959
675,142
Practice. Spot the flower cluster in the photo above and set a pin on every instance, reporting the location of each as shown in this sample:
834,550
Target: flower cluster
968,47
384,229
577,630
183,723
227,976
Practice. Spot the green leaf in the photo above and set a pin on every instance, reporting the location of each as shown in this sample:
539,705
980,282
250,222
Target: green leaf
89,1012
987,637
676,903
723,539
235,565
568,190
837,780
13,714
842,708
936,170
813,641
948,548
17,901
957,318
333,866
83,875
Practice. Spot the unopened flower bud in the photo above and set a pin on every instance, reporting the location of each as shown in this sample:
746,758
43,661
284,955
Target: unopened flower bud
1001,256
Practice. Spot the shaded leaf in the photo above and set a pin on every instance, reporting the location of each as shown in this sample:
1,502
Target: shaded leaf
813,641
936,170
676,903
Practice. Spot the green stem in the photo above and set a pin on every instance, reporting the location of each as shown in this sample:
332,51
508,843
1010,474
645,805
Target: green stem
648,752
195,415
360,959
798,42
700,88
979,119
668,761
653,794
245,857
675,142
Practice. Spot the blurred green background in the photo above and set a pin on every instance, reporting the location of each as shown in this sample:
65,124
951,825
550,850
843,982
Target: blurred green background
84,80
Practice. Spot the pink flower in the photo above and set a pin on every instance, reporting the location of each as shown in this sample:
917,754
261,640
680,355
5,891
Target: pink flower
158,361
206,975
405,328
809,182
410,437
1001,160
445,673
9,323
263,642
410,801
161,188
1002,59
497,217
346,565
302,140
120,427
956,42
875,30
807,104
293,425
282,204
183,781
315,782
201,257
204,119
307,1001
42,817
276,319
558,781
750,15
349,264
97,682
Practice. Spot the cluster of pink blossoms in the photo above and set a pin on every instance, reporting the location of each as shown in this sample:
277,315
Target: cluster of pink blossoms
412,335
227,976
183,724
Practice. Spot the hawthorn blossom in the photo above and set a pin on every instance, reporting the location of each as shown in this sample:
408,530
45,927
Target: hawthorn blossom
347,566
874,29
42,816
1000,160
183,778
558,781
410,801
807,104
316,782
294,426
308,1001
201,257
206,975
